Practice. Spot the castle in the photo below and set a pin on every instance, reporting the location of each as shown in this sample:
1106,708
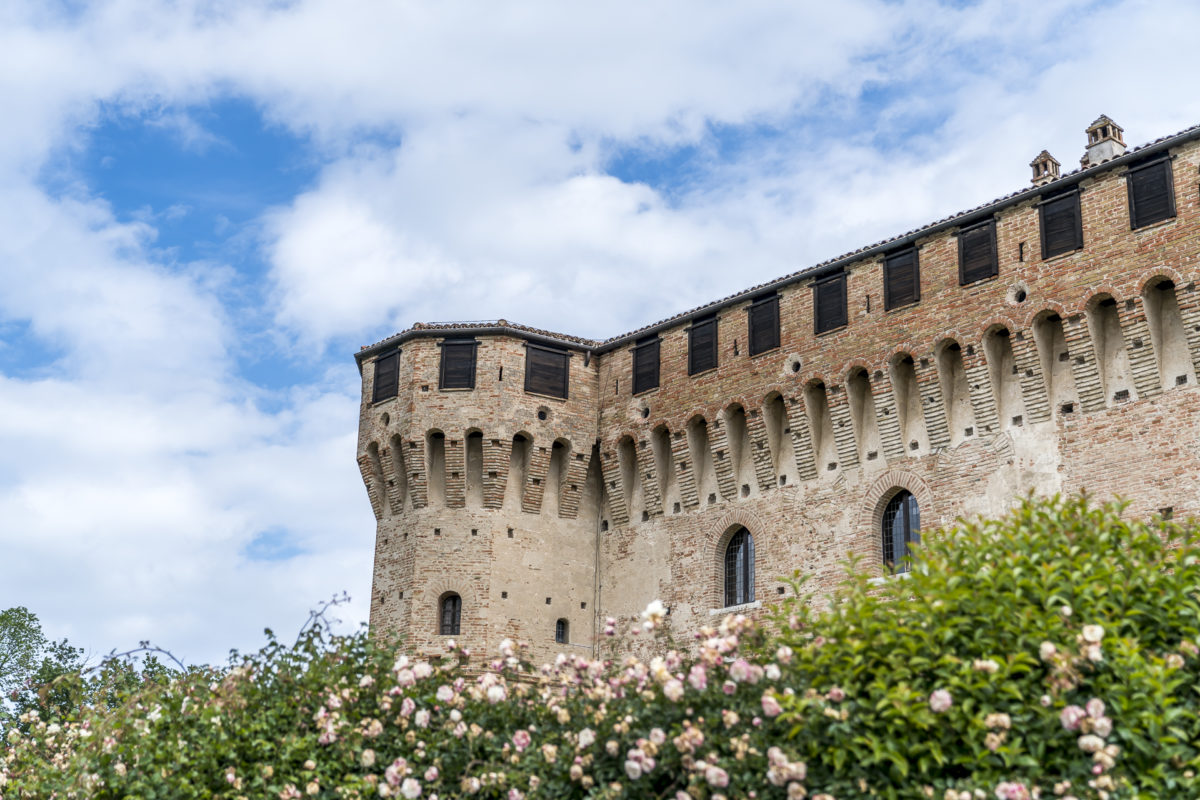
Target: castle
529,484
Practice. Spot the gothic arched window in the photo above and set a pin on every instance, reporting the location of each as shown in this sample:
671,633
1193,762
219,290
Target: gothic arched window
451,613
739,569
901,527
562,631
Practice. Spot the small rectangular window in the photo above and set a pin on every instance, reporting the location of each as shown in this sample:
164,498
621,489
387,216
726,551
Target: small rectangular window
1151,193
645,365
547,370
764,324
702,345
977,253
458,364
1062,225
829,303
387,376
901,279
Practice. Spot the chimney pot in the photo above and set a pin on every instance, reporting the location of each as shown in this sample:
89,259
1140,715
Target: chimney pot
1105,141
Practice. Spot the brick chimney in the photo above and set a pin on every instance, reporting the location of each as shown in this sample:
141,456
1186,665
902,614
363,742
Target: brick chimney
1045,168
1104,142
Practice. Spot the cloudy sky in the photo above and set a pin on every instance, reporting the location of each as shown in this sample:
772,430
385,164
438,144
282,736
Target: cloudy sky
206,206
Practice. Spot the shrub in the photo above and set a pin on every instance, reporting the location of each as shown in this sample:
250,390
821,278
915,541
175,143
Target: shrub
1051,652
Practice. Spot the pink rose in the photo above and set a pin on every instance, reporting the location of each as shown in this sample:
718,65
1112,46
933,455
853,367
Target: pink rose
940,701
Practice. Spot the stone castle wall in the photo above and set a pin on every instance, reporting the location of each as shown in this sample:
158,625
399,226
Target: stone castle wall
1074,372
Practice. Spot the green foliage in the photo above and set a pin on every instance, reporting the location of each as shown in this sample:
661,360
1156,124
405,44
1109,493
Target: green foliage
1053,649
21,644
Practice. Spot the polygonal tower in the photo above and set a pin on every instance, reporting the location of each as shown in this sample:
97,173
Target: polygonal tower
475,444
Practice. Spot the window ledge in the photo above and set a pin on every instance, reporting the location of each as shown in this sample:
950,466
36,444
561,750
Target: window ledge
547,396
984,281
904,307
702,372
1162,223
458,389
774,349
719,612
646,392
833,330
1058,256
895,576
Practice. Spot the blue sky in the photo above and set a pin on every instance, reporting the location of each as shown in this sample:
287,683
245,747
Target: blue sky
207,206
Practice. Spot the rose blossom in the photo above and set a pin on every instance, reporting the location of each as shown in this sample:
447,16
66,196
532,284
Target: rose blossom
940,701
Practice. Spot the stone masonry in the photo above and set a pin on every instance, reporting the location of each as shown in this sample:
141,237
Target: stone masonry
1073,372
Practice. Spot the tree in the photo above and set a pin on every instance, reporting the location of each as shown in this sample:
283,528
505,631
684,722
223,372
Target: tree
21,646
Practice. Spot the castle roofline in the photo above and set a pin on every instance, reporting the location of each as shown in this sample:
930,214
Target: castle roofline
959,219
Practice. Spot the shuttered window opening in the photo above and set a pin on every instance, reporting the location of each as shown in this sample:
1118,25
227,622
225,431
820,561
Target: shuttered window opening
645,365
829,303
387,376
546,370
458,364
901,279
764,324
977,253
1151,193
702,345
1062,225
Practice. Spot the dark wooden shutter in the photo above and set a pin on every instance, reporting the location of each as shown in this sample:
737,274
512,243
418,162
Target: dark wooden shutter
1151,193
977,253
645,365
546,370
1062,226
387,375
764,324
702,345
829,303
458,364
901,279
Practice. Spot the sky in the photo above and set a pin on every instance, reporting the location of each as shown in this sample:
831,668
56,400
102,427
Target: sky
207,206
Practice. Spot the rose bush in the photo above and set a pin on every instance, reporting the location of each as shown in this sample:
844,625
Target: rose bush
1049,653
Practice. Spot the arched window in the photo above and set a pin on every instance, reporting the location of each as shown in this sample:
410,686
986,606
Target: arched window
739,569
450,616
901,527
562,631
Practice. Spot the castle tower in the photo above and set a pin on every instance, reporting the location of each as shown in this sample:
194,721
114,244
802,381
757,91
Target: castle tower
475,448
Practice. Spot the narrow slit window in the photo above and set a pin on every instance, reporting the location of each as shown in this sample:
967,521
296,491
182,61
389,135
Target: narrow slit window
645,365
829,303
764,324
1151,193
739,569
458,364
450,616
702,345
1062,224
901,528
387,375
901,279
977,253
546,370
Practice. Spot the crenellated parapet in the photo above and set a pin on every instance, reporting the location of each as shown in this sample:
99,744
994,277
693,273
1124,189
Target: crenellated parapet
558,480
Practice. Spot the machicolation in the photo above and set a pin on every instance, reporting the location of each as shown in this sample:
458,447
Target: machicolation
529,484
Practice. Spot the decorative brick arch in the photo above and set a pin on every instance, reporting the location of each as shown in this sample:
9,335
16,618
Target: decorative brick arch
470,620
716,540
994,324
1152,277
1048,307
883,489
